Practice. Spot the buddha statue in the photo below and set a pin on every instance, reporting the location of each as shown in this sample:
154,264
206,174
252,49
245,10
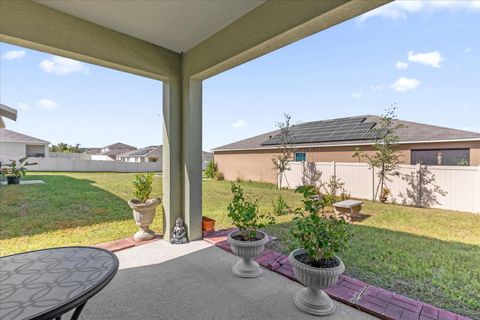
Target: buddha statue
178,234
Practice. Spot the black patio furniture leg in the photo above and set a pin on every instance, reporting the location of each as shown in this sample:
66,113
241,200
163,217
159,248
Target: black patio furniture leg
78,310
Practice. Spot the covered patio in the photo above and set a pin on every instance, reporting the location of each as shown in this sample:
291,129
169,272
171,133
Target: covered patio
194,281
180,43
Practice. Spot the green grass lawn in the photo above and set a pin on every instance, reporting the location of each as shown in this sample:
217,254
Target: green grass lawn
429,254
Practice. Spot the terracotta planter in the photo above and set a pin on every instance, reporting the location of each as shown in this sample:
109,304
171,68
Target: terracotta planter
247,250
13,179
208,224
313,299
143,213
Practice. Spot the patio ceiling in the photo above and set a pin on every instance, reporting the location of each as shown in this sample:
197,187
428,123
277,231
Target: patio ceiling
174,25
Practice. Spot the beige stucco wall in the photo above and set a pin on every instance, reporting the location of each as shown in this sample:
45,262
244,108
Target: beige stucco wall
257,165
247,165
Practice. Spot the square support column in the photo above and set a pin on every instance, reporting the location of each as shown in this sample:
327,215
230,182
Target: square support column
182,156
192,157
172,155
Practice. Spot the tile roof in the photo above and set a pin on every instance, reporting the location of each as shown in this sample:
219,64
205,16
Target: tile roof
151,151
119,145
410,132
12,136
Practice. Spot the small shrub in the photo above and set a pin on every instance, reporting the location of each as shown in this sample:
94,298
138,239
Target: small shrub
219,176
211,169
321,237
143,186
239,179
334,185
245,216
280,206
329,199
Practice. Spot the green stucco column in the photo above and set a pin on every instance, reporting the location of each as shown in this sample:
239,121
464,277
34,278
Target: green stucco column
192,156
182,156
172,155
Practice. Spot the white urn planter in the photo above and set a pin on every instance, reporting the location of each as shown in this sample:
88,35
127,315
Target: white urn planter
313,299
143,213
247,250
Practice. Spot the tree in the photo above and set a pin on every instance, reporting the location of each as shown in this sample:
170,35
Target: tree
286,145
386,157
65,148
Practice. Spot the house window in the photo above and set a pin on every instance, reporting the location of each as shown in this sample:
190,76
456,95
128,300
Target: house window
441,157
300,156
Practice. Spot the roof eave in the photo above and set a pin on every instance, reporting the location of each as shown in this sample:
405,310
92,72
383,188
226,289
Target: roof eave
349,144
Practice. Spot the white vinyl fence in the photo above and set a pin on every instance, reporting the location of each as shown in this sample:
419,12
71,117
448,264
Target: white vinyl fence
72,155
63,164
446,187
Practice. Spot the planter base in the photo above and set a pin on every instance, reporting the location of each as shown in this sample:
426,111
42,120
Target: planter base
247,269
315,302
142,235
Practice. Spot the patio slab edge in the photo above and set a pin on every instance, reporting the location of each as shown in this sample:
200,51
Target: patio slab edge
122,244
376,301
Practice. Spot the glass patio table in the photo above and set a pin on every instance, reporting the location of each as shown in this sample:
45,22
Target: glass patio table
46,284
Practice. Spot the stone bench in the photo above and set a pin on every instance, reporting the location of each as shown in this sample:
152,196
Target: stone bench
348,209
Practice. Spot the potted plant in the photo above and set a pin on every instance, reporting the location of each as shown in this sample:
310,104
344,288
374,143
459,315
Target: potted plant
208,224
143,207
248,242
384,194
15,171
316,239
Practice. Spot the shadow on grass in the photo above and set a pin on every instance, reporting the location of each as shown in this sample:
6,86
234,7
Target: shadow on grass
61,202
442,273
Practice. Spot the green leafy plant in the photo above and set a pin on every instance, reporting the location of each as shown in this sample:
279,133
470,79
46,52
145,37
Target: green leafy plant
245,216
143,186
17,169
219,176
321,237
280,206
211,169
334,185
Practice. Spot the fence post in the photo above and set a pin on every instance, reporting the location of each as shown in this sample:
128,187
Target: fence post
334,169
420,184
373,182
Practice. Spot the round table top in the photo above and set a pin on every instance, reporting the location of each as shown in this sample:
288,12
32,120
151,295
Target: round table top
50,282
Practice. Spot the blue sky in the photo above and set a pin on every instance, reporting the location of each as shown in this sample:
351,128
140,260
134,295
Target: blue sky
422,55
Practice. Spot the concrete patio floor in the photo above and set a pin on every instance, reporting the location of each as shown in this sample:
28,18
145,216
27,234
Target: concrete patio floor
194,281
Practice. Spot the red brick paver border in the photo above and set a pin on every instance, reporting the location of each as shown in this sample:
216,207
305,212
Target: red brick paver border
126,243
379,302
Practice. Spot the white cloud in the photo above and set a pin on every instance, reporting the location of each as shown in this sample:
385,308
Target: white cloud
14,54
377,87
356,95
62,66
46,104
399,10
23,106
429,58
239,124
401,65
404,84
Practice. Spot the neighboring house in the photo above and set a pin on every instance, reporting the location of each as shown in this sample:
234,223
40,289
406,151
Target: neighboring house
148,154
110,152
17,145
155,154
337,140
